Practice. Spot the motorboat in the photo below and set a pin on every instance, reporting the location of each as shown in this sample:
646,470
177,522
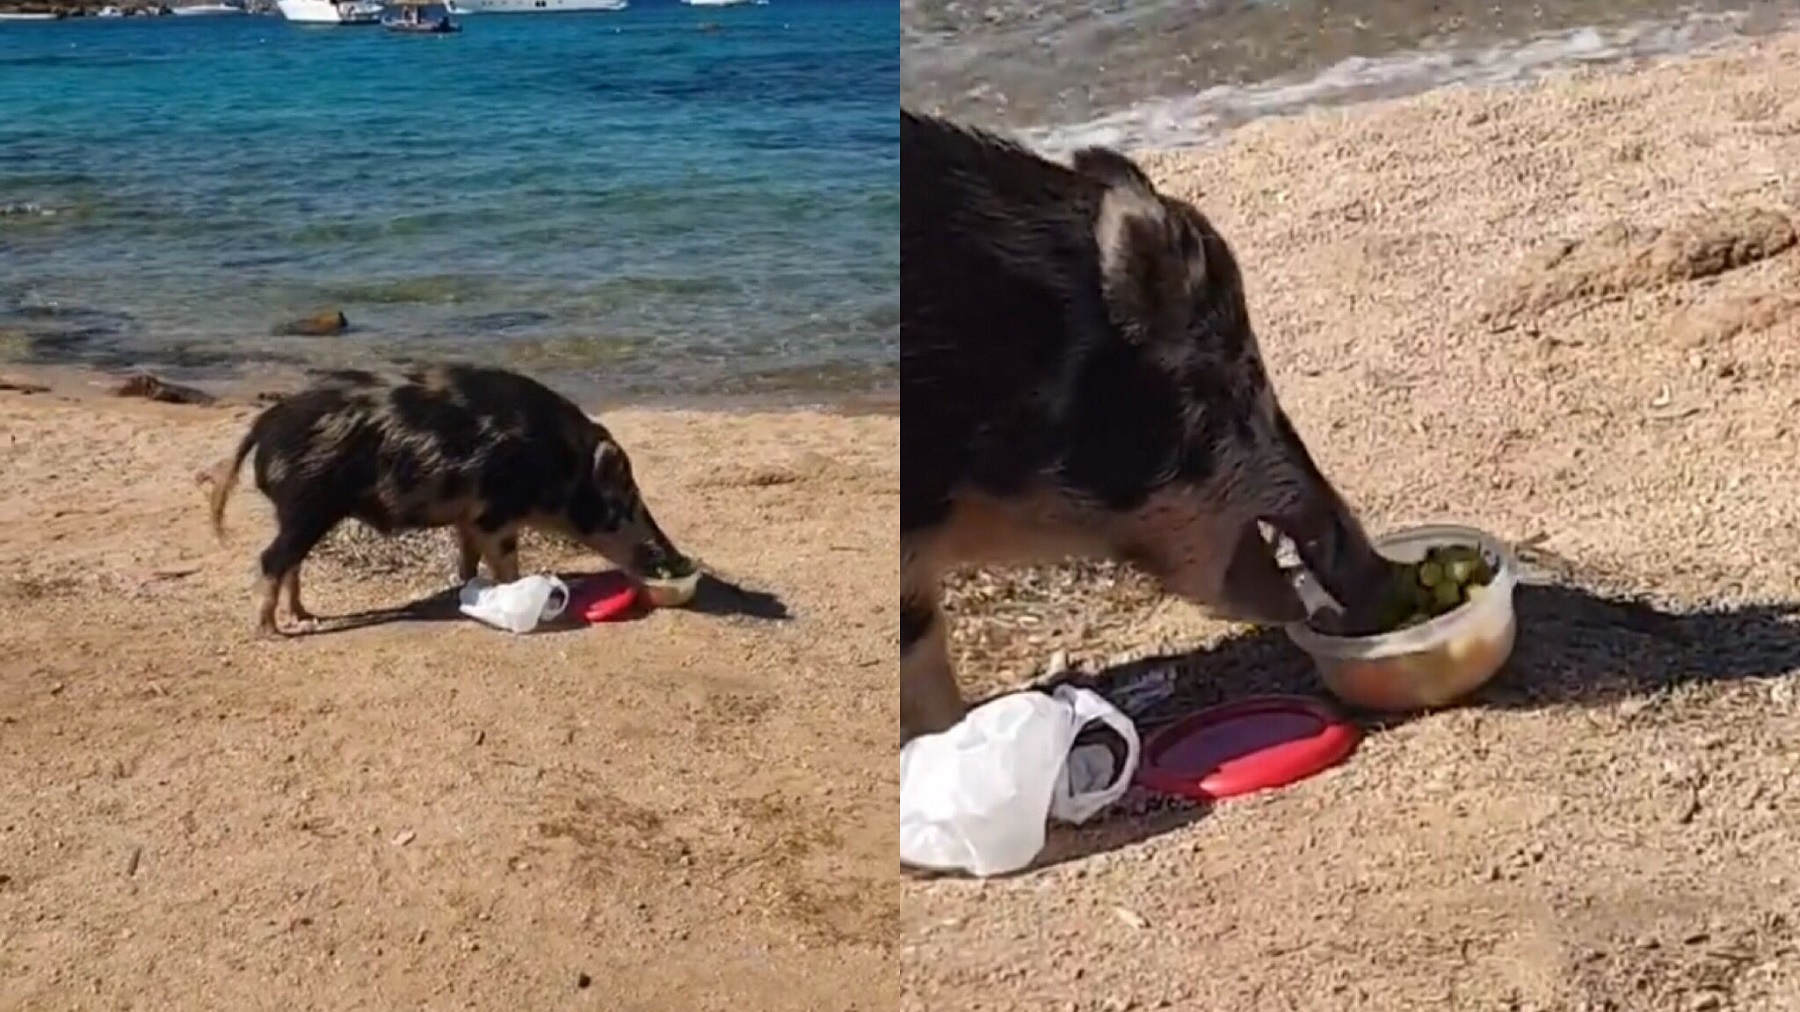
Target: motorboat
536,6
30,16
429,18
205,9
330,12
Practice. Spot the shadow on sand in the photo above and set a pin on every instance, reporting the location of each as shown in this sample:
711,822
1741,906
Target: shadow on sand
1575,647
715,596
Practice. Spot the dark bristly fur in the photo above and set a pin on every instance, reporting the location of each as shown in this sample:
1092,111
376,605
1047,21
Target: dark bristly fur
1079,376
483,450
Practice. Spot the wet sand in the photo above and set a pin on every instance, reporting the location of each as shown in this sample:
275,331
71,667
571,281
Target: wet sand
1567,313
1164,74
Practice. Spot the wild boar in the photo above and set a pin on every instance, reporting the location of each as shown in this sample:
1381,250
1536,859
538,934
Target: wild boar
486,451
1079,377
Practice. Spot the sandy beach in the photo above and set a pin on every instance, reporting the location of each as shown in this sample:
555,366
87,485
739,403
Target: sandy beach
693,810
1568,314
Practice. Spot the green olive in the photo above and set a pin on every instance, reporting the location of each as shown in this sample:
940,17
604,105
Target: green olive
1431,572
1448,577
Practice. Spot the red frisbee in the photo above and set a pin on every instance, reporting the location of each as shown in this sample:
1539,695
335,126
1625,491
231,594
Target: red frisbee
603,598
1245,746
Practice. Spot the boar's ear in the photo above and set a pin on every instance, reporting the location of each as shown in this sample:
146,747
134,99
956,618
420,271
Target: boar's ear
611,466
1152,263
1112,168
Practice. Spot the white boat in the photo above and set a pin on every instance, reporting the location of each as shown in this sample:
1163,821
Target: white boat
110,11
723,3
536,6
28,16
205,9
330,12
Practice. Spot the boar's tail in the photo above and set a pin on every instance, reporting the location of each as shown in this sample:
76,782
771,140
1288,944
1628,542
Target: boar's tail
224,477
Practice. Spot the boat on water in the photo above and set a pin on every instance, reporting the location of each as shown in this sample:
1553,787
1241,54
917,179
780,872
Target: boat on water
109,11
536,6
206,9
419,17
724,3
330,12
30,16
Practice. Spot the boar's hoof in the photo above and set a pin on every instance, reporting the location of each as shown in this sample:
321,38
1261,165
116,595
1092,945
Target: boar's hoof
326,323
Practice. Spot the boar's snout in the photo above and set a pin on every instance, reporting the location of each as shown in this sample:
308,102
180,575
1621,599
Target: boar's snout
653,554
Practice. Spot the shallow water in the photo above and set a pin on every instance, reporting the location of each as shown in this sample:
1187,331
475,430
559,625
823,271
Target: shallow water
635,200
1173,73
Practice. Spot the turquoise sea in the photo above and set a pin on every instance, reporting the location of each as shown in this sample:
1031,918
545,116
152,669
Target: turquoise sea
661,201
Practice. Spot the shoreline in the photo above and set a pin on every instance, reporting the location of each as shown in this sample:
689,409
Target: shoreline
1209,116
82,383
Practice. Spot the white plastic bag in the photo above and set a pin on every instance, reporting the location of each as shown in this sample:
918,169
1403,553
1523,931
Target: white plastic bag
975,798
517,607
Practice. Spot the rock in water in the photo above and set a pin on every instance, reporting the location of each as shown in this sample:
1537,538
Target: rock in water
325,323
151,388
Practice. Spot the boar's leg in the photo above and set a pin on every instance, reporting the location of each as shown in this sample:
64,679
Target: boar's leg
929,699
505,558
468,554
500,549
298,530
295,608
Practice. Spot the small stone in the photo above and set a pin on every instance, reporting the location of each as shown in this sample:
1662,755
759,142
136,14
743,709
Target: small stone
325,323
582,981
1131,918
404,837
1703,1002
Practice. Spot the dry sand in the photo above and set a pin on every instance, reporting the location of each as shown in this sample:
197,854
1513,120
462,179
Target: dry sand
691,811
1569,314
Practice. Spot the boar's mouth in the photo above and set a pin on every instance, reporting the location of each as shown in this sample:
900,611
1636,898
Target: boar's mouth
1256,587
1339,557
